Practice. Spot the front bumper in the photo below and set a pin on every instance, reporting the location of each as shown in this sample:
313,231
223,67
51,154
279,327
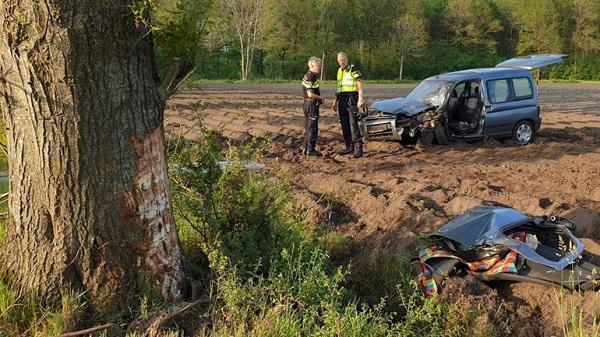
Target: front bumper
380,128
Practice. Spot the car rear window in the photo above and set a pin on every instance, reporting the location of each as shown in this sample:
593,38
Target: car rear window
498,90
522,87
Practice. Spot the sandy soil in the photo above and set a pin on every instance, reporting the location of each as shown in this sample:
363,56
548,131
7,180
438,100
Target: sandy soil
398,194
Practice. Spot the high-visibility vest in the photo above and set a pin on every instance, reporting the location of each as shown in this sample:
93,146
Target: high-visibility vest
310,85
346,79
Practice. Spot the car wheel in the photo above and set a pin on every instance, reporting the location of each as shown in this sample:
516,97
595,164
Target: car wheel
426,137
523,133
440,134
405,138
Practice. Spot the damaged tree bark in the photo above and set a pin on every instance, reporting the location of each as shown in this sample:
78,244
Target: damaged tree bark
90,208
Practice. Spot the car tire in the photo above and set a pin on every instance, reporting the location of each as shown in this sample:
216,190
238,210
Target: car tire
426,137
440,134
523,132
405,138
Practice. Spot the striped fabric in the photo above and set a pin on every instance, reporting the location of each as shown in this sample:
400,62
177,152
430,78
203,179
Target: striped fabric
503,262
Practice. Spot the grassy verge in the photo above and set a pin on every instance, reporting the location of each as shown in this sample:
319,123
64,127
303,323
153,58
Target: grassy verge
263,271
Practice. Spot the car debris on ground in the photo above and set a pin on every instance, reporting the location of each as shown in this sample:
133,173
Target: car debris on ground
499,243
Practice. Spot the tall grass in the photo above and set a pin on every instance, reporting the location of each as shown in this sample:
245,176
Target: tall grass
575,321
21,316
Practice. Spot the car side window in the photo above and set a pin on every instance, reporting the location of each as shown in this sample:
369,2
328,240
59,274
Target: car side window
498,91
523,88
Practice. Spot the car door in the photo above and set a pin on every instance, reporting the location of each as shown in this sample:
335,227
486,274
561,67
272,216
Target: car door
514,98
509,100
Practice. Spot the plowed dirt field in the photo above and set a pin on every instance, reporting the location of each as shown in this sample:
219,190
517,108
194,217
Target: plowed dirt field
384,202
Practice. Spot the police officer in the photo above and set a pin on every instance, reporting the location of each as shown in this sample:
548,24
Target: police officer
349,97
312,100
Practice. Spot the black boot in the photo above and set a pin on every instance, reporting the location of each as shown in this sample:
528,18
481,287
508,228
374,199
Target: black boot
358,150
314,153
347,150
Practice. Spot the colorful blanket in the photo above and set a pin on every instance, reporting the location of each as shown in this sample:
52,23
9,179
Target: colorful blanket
503,262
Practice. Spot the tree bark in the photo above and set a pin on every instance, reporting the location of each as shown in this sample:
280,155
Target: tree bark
401,66
90,207
281,53
323,67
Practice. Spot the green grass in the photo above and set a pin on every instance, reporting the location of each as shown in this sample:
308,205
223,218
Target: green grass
21,316
262,270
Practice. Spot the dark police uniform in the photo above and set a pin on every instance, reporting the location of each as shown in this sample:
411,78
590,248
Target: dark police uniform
310,82
347,95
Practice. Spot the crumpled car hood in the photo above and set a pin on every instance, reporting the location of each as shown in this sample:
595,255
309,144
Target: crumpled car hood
480,225
485,225
401,105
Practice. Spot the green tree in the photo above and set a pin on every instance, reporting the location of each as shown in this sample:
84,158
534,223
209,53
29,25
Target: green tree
243,19
472,23
433,11
285,28
329,29
367,23
586,36
180,29
537,24
409,37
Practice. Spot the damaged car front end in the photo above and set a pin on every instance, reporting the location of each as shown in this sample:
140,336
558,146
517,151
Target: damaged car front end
406,118
498,243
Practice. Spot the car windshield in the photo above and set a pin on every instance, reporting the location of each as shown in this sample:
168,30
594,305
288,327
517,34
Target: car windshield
431,92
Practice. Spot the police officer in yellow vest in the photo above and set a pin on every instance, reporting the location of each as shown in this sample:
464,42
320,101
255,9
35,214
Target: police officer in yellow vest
349,97
312,101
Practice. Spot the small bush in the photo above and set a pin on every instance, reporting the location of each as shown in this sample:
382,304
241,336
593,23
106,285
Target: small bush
226,207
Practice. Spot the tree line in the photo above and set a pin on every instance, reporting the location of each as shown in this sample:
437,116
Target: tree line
388,39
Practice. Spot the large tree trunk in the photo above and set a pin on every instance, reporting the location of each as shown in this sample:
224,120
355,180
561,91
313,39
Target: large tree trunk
90,208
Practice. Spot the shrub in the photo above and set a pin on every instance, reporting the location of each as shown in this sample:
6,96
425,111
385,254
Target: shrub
226,207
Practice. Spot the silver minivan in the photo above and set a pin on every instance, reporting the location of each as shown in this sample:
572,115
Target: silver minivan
498,102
